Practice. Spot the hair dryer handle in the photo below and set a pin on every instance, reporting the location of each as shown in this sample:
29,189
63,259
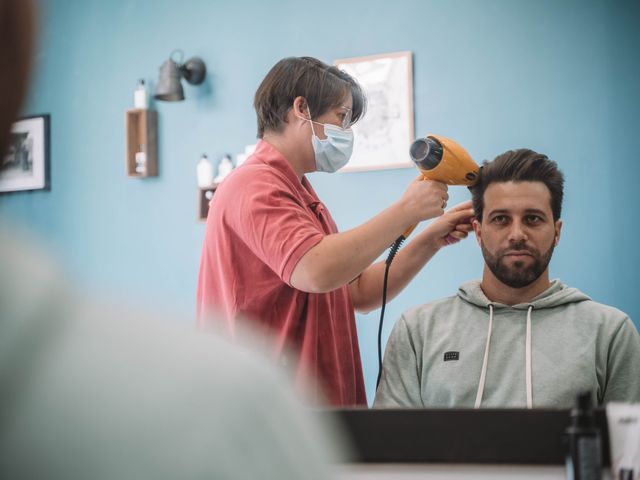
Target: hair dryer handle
408,231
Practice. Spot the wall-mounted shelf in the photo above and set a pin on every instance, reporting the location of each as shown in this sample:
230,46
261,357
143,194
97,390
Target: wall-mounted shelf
205,195
142,127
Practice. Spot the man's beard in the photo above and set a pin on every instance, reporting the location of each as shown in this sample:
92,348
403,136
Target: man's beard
518,275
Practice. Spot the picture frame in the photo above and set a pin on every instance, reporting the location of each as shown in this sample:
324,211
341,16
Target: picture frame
384,135
26,164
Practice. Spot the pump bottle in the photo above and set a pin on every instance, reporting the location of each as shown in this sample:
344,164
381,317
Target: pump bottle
584,451
140,98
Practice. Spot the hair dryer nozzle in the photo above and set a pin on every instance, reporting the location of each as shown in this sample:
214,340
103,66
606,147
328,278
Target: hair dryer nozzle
426,153
443,160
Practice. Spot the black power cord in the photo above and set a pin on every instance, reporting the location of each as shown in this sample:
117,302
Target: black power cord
392,253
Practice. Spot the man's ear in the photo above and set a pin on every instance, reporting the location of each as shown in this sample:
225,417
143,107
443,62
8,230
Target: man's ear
558,229
477,229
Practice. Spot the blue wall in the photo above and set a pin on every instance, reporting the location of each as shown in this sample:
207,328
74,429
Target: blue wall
561,77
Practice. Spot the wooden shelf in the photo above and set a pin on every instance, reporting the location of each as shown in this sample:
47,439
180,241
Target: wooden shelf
205,195
142,127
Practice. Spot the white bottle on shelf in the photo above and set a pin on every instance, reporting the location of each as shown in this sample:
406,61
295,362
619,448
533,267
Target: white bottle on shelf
224,168
240,158
205,172
140,98
141,160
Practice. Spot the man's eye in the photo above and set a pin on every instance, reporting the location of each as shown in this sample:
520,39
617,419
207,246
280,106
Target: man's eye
533,219
500,219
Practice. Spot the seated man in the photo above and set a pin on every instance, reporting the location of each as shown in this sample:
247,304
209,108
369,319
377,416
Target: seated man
515,339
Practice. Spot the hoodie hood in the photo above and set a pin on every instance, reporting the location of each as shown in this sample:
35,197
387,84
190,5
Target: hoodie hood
557,294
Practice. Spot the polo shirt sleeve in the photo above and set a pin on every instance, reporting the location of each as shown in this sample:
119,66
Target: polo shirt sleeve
274,222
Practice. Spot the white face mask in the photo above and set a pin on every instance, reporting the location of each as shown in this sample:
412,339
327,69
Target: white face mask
333,152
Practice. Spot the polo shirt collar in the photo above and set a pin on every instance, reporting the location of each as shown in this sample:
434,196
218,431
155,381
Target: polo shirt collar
270,155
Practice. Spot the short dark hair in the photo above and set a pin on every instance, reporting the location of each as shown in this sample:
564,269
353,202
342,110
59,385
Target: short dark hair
323,86
521,165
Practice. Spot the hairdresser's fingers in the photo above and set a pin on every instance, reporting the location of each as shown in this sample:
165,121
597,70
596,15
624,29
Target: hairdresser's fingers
464,227
434,184
449,240
463,217
458,234
466,205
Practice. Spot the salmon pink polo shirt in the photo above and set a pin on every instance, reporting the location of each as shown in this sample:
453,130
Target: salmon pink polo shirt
261,222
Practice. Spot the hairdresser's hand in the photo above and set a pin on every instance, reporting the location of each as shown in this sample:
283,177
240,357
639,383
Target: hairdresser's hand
424,199
451,227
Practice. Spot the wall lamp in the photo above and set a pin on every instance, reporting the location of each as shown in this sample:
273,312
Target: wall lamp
169,87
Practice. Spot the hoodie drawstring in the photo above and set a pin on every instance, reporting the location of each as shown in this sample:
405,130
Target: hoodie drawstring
485,361
528,360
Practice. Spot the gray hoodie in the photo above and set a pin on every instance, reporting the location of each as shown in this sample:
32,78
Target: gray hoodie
466,351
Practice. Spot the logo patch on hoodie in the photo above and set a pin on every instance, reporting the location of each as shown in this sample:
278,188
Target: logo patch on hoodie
448,356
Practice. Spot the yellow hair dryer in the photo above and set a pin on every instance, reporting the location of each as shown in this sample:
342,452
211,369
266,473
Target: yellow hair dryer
443,160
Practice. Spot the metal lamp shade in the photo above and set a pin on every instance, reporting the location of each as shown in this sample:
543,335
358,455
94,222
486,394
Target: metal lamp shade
169,87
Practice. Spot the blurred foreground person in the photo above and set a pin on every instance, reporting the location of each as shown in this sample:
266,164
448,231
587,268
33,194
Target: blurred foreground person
90,392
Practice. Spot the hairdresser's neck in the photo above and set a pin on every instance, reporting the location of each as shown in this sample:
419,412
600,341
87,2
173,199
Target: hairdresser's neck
289,147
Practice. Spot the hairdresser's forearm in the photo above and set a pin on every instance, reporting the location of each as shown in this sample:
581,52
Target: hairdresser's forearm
450,228
341,257
366,291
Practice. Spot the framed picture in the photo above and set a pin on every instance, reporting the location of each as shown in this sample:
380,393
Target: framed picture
384,135
26,163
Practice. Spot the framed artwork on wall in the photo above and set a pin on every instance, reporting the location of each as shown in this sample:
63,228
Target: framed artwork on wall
26,166
384,135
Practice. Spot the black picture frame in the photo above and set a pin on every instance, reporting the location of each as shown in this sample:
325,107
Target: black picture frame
26,165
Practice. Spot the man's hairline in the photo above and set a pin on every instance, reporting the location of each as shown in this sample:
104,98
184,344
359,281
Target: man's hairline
484,210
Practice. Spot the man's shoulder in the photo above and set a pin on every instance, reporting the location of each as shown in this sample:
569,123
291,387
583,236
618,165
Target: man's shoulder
437,310
573,307
601,312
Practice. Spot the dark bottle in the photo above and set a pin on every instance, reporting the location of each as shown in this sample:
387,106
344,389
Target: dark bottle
584,451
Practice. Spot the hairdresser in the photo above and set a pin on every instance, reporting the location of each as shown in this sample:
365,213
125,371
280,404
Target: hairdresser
273,258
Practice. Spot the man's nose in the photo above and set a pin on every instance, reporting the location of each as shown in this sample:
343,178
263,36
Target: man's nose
517,233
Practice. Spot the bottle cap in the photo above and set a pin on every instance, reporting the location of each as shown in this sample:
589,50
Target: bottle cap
582,413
